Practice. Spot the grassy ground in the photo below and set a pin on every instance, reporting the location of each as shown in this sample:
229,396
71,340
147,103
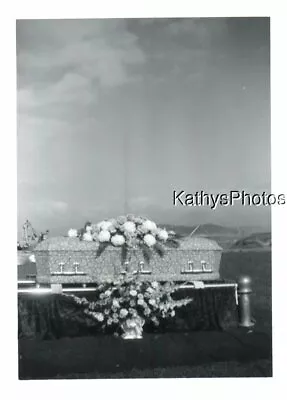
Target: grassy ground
228,369
170,354
212,354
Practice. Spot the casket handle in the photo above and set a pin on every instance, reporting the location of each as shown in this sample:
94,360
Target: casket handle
205,267
189,269
76,265
62,272
126,270
142,270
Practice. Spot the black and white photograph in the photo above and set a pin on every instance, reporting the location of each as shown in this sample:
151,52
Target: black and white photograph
144,197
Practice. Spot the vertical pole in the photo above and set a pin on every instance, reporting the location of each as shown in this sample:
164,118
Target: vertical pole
125,153
244,292
25,234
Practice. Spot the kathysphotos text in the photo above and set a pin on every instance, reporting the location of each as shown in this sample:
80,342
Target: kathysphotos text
201,198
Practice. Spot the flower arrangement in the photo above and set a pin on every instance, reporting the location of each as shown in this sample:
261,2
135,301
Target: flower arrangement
127,232
129,303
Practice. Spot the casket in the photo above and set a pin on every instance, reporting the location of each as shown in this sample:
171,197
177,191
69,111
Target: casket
65,260
23,257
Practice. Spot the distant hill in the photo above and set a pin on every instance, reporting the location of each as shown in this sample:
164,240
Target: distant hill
256,240
228,238
203,230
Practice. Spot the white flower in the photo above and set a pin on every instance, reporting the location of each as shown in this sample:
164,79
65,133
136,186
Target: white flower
138,220
32,258
147,311
108,293
172,313
104,225
104,236
152,302
130,217
162,235
129,227
73,233
89,228
121,219
140,302
149,240
154,284
149,226
99,316
133,293
155,321
112,229
118,240
123,313
88,237
116,303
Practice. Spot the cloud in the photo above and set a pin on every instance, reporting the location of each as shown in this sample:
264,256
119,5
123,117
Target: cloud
96,50
62,64
183,48
200,30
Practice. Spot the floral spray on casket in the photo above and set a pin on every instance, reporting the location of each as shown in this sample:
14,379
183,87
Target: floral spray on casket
128,233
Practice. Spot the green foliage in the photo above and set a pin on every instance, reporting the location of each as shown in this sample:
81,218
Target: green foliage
101,248
159,249
124,253
172,243
147,253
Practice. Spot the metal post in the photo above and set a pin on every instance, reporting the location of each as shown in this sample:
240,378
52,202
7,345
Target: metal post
244,292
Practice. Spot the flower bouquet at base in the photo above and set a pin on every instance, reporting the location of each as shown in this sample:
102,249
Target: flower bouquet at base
127,304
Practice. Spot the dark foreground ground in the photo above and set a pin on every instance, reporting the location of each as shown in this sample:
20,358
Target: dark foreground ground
235,353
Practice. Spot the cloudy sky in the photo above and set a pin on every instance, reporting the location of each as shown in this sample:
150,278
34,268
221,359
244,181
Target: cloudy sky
161,105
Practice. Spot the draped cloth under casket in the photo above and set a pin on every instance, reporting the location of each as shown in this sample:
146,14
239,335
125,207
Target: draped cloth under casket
56,316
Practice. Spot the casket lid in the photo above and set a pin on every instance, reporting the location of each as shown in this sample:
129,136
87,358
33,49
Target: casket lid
65,243
199,243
